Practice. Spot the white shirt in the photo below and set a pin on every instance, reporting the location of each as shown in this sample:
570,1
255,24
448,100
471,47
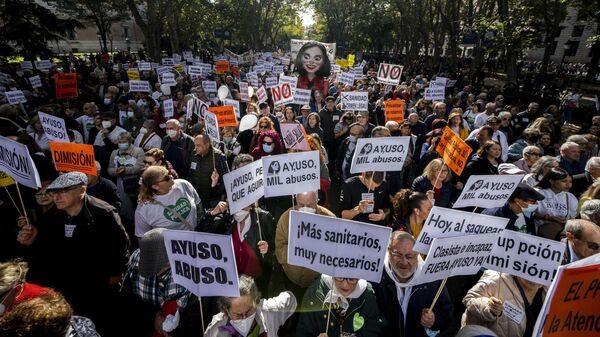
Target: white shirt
563,205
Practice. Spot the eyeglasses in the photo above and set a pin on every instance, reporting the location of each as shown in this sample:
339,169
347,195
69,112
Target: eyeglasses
397,255
264,126
236,315
61,192
590,244
42,194
349,280
268,143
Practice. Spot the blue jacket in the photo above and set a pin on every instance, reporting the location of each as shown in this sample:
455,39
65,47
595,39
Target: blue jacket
422,184
421,298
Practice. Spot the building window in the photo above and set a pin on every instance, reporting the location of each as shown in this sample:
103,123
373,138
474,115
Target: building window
573,46
577,31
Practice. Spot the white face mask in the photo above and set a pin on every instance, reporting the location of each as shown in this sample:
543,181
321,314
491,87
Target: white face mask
130,114
241,215
107,101
243,326
171,133
307,210
106,124
143,130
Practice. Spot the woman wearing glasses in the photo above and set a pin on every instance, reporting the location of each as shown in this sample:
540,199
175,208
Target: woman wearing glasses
269,143
249,315
352,305
166,203
264,124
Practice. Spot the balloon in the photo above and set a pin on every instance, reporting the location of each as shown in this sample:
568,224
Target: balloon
250,91
223,92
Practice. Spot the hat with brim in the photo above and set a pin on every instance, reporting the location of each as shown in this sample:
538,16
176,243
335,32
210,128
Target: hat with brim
248,122
526,192
153,253
363,113
68,180
507,168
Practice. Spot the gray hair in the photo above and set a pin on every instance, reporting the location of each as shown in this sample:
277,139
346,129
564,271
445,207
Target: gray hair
567,145
390,124
592,162
11,273
537,169
472,330
579,139
247,287
241,159
575,227
98,166
401,236
504,113
529,148
125,136
173,121
589,209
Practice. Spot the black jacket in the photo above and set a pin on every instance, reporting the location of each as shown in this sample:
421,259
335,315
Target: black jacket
581,182
479,166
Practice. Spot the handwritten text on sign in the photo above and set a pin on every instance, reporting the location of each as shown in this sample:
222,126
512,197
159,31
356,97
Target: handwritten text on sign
244,186
54,127
389,73
225,115
454,151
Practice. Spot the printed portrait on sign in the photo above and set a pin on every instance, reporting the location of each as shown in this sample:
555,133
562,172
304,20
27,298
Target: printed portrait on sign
274,168
313,66
366,149
476,185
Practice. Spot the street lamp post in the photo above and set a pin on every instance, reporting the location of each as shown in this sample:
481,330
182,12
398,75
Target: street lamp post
566,47
99,39
128,43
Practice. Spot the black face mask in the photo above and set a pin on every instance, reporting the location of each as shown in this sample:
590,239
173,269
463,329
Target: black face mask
395,133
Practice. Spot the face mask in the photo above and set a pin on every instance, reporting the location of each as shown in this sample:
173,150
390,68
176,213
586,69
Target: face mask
528,211
267,148
106,124
123,147
107,101
171,133
143,130
130,114
352,139
307,210
243,326
227,140
241,215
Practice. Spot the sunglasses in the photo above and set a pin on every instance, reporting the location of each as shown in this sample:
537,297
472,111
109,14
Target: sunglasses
268,143
264,126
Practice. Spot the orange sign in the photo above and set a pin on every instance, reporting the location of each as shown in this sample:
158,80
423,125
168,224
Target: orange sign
73,157
574,308
454,151
221,67
394,110
235,71
66,85
225,115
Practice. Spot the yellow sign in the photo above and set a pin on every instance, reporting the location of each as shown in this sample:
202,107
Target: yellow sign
5,179
133,75
342,63
350,60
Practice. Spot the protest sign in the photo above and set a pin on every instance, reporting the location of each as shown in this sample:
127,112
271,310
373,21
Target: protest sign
347,79
167,61
296,45
133,75
196,106
235,104
244,186
178,68
531,257
144,66
66,85
252,78
209,86
4,78
203,263
244,93
54,127
394,110
389,73
163,70
6,180
435,94
259,68
351,58
454,151
379,154
277,70
487,191
261,93
221,67
73,157
460,255
176,57
294,136
444,222
438,82
291,80
139,86
355,100
357,72
195,71
342,63
302,96
571,305
212,126
15,97
270,82
206,69
168,78
336,69
26,65
268,67
282,94
36,81
43,65
225,115
336,247
17,163
451,83
168,108
292,173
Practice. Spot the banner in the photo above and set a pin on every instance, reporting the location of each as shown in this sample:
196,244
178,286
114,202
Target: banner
244,186
221,67
271,82
70,157
225,115
294,136
487,191
168,108
5,180
66,85
444,222
43,65
394,110
17,163
531,257
435,94
202,263
133,75
15,97
54,127
212,126
35,81
296,45
379,154
282,94
209,86
144,66
302,96
336,247
454,151
139,86
389,73
461,255
292,173
355,100
347,79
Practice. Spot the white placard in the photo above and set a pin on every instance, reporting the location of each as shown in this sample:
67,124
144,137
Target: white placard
461,255
531,257
15,97
252,78
347,79
36,81
450,83
282,94
144,66
261,93
389,73
259,68
167,61
293,136
139,86
337,247
43,65
160,70
355,100
444,223
54,127
435,94
302,96
4,78
17,163
168,78
379,154
209,86
291,173
168,108
244,93
195,71
336,69
487,191
244,186
203,263
438,82
197,107
277,69
270,82
206,69
26,65
357,72
235,103
212,126
291,80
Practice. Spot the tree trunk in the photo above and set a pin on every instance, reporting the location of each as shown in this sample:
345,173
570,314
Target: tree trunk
173,27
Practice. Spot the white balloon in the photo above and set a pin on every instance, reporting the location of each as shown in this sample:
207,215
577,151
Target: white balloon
223,92
250,91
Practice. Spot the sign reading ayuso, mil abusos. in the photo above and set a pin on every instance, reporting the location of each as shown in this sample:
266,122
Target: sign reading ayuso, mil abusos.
379,154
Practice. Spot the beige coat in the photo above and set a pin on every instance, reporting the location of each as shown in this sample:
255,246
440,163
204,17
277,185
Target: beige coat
301,276
476,302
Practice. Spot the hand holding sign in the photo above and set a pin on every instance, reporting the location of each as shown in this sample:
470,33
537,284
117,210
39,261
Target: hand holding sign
495,305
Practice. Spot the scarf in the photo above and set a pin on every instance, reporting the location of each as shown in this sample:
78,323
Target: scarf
334,297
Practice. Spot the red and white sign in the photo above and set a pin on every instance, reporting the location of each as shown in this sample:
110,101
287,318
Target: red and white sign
282,94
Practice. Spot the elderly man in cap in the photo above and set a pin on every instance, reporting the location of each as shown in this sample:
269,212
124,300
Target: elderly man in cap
362,119
303,118
519,209
86,247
